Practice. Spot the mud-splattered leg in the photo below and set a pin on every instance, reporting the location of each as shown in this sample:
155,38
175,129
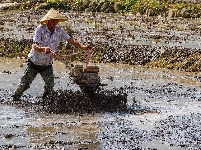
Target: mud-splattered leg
26,80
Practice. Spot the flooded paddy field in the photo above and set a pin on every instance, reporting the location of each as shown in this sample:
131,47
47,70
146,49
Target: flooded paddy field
118,29
163,111
163,106
116,38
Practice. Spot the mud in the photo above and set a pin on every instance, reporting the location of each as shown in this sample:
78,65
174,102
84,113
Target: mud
116,38
162,111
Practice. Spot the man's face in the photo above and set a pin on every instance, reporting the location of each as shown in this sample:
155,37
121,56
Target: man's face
53,22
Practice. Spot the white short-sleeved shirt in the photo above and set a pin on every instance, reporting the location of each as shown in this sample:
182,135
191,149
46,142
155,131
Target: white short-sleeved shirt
45,38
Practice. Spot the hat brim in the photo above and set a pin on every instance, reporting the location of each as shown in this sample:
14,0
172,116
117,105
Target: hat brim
51,15
46,21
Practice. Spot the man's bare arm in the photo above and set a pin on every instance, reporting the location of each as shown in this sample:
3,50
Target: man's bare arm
77,44
37,47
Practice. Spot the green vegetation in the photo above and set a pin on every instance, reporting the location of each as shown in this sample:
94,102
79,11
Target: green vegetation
153,7
175,8
148,7
14,48
58,4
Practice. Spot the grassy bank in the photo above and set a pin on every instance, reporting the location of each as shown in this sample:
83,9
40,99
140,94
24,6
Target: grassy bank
171,8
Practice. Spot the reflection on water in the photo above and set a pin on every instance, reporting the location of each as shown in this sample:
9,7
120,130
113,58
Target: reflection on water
75,131
13,123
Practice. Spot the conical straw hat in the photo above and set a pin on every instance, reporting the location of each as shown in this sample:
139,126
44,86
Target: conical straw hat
52,14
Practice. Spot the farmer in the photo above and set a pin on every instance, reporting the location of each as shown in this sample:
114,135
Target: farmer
47,37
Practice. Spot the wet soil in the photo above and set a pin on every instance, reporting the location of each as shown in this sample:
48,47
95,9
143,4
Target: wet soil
162,111
172,43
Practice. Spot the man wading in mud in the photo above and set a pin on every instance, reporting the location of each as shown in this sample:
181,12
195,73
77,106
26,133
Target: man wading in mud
47,37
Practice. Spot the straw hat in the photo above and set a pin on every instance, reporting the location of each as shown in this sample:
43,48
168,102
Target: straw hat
52,14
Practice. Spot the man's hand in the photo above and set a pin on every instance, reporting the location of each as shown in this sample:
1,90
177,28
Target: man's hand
48,50
86,47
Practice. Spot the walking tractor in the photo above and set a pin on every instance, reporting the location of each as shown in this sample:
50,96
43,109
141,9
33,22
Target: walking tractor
84,75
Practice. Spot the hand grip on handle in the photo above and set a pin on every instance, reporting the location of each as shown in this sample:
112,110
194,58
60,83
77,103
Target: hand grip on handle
55,55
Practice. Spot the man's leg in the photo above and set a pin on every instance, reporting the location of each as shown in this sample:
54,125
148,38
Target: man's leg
48,78
26,80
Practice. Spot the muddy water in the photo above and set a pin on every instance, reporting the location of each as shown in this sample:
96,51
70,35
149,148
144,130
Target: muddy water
163,111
